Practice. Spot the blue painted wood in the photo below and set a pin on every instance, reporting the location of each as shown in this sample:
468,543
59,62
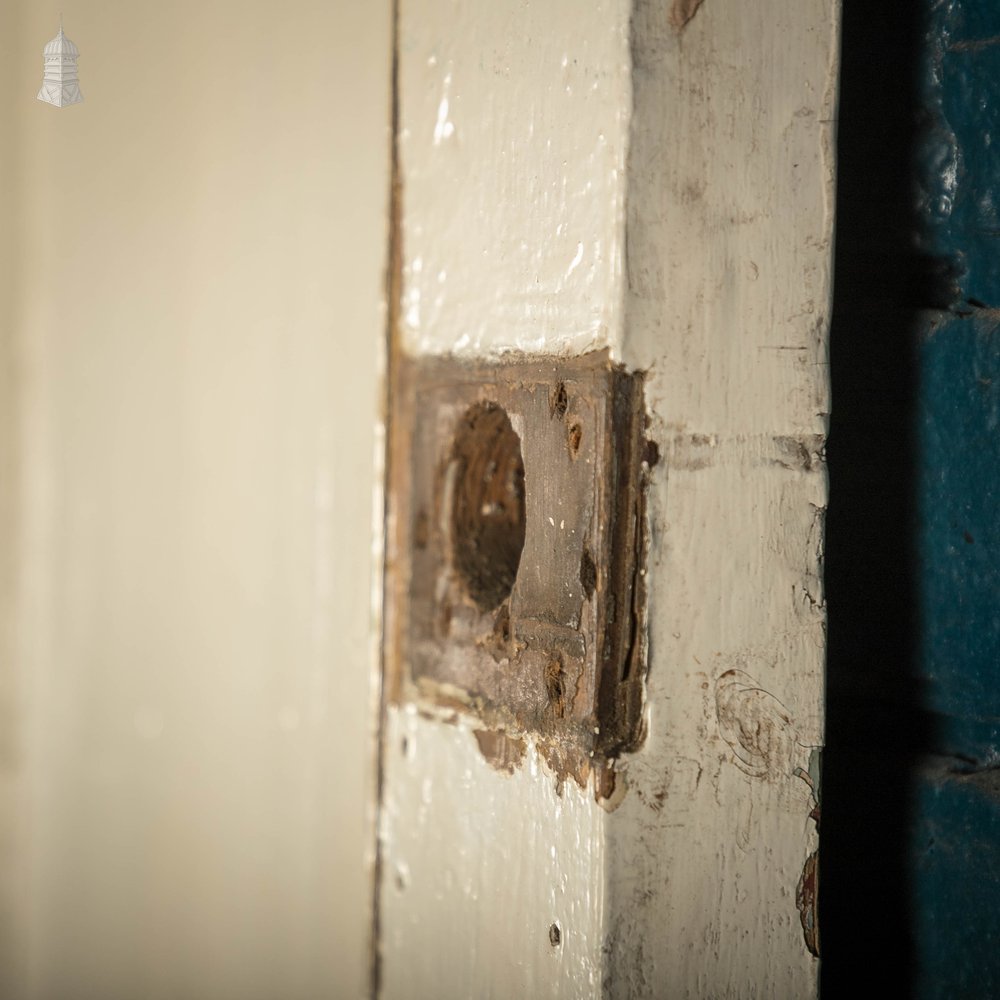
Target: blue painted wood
955,836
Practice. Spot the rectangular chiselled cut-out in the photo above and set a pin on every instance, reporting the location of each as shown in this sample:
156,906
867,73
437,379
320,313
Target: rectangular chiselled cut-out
516,541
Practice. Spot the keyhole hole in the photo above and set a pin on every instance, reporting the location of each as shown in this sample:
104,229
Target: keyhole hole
487,515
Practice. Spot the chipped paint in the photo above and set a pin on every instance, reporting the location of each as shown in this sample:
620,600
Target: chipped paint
501,752
682,11
807,891
807,901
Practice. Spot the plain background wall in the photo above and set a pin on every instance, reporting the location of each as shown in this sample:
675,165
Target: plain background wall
8,528
190,297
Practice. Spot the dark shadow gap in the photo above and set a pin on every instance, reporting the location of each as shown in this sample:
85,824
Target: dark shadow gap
875,730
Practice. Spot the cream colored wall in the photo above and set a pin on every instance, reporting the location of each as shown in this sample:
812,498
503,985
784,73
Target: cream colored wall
198,320
9,723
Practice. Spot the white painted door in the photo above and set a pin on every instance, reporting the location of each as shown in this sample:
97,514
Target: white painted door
191,318
654,178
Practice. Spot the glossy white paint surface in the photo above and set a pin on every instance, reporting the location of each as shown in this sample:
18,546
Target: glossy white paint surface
512,144
478,867
196,323
723,297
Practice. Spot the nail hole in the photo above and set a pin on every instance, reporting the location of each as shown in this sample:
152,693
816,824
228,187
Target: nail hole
422,530
501,625
588,573
402,878
575,437
444,620
555,936
487,515
555,686
560,401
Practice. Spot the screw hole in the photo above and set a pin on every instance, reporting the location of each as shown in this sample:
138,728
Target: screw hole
487,516
555,936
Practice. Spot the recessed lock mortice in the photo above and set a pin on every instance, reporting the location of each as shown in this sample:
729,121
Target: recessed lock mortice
517,536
